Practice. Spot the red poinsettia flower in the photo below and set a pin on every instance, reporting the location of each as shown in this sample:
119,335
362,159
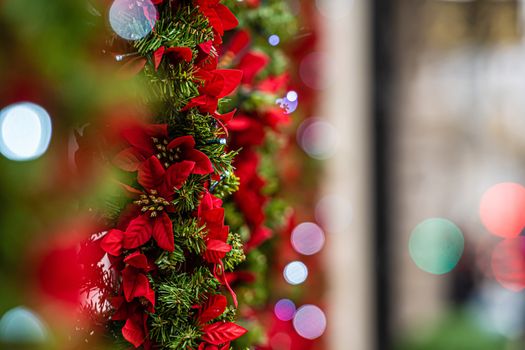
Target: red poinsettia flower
211,215
174,54
153,140
135,329
160,185
218,83
219,16
135,284
246,132
251,64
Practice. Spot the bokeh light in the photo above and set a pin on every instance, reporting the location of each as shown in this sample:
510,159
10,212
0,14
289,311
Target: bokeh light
295,272
502,209
274,40
284,309
311,69
508,263
334,213
307,238
309,322
334,9
292,96
436,245
497,310
318,139
132,19
22,326
288,105
281,341
25,131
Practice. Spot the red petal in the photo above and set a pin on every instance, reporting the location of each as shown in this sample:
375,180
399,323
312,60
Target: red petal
138,260
232,79
203,164
151,173
134,333
216,250
181,52
177,174
213,308
251,64
206,46
214,19
129,159
226,117
135,284
222,332
240,40
185,142
112,242
274,84
138,137
157,56
138,232
214,216
214,84
163,232
229,21
258,236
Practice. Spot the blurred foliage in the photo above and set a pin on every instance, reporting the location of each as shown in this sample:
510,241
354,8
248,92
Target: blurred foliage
456,330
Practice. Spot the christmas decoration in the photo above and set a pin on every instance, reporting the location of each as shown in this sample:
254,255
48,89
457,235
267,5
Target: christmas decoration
167,244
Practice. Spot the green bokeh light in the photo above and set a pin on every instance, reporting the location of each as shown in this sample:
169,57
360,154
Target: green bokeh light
436,245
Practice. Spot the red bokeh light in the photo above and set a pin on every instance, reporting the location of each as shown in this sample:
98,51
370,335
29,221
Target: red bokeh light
502,209
508,263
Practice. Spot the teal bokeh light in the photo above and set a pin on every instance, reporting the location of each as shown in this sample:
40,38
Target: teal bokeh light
21,326
436,245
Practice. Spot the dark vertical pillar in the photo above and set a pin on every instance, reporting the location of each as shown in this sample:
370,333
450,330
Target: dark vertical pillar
383,55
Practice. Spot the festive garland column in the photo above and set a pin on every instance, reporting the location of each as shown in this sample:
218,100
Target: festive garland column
168,245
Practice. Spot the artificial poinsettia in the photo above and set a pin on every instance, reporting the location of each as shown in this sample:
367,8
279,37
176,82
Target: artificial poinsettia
153,140
135,329
211,215
219,16
217,84
174,53
160,185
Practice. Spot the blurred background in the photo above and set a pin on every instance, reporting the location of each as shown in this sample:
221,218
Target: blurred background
409,158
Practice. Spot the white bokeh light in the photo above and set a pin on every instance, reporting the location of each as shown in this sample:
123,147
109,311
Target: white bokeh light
307,238
25,131
295,272
292,96
318,139
274,40
132,19
334,213
309,322
316,70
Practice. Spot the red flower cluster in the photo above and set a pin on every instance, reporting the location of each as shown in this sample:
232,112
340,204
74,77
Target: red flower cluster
162,165
248,131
